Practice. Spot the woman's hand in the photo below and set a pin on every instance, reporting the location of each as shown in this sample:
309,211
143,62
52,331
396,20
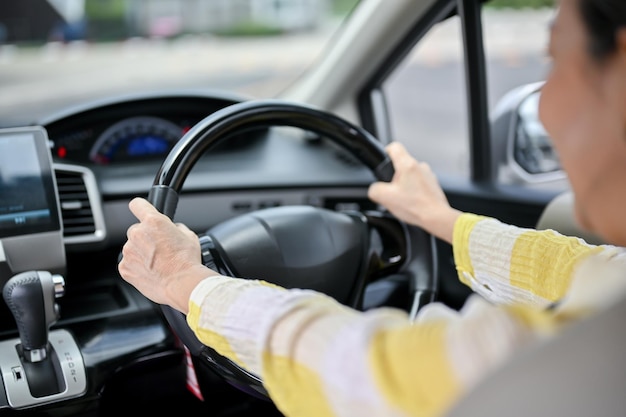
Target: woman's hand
414,195
161,258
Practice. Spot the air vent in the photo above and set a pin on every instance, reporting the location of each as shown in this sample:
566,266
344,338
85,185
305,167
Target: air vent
81,218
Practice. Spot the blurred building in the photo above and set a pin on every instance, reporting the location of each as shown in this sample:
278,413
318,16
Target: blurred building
166,17
27,20
30,20
66,20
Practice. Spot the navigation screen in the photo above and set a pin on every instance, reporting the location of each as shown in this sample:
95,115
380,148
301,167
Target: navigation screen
28,202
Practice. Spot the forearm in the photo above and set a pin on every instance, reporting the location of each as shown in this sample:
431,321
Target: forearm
319,358
509,264
315,356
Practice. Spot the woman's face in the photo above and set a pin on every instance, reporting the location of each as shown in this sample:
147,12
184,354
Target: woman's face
583,108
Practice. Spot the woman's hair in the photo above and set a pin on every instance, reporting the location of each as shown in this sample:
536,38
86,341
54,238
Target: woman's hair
603,18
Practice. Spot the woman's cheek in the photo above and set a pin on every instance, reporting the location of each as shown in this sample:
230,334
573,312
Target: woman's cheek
549,108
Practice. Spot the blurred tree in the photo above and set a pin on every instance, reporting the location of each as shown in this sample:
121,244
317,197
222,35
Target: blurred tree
341,7
105,9
106,19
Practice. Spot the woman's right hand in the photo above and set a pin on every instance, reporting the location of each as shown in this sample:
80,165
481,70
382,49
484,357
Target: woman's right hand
161,258
414,195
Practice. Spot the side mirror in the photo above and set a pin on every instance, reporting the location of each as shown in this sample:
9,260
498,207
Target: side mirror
532,148
522,150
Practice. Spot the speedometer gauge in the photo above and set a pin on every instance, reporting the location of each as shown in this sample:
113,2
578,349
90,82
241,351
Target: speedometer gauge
135,138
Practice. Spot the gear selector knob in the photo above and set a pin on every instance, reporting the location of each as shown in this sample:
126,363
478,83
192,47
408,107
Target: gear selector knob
30,297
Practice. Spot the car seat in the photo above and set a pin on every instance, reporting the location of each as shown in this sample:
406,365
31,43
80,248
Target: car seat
559,215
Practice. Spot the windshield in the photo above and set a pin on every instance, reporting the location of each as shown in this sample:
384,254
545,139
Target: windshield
54,53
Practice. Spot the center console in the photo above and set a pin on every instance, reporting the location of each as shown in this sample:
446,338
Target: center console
40,366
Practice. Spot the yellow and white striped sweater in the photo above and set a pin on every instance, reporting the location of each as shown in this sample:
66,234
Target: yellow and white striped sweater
318,358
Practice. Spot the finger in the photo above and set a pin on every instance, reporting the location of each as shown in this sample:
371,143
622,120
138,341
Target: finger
135,237
128,255
378,190
394,147
136,234
400,157
397,151
141,208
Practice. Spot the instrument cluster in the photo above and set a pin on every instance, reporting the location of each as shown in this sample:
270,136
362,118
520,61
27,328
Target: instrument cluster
129,139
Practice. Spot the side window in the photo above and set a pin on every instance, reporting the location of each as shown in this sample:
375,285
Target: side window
515,42
427,100
426,96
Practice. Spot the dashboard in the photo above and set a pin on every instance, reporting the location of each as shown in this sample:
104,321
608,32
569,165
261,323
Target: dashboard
108,151
105,153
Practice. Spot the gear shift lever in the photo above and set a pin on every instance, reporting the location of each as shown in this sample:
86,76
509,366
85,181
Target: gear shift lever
30,297
42,366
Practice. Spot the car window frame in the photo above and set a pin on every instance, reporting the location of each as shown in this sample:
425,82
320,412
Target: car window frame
372,107
481,191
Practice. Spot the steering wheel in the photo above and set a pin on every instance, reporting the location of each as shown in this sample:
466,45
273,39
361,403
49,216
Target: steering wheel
337,253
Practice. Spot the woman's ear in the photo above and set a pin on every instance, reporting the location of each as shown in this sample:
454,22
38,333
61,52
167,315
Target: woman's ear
620,40
620,43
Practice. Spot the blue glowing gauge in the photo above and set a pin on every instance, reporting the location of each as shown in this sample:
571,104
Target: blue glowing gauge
135,138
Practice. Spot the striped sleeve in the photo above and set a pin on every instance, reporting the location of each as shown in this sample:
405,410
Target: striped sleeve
319,358
508,264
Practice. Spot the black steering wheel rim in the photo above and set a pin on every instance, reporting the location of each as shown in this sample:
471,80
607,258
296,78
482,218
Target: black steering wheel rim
236,119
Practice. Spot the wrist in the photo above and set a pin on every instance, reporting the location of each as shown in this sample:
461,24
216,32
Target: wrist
442,226
180,289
